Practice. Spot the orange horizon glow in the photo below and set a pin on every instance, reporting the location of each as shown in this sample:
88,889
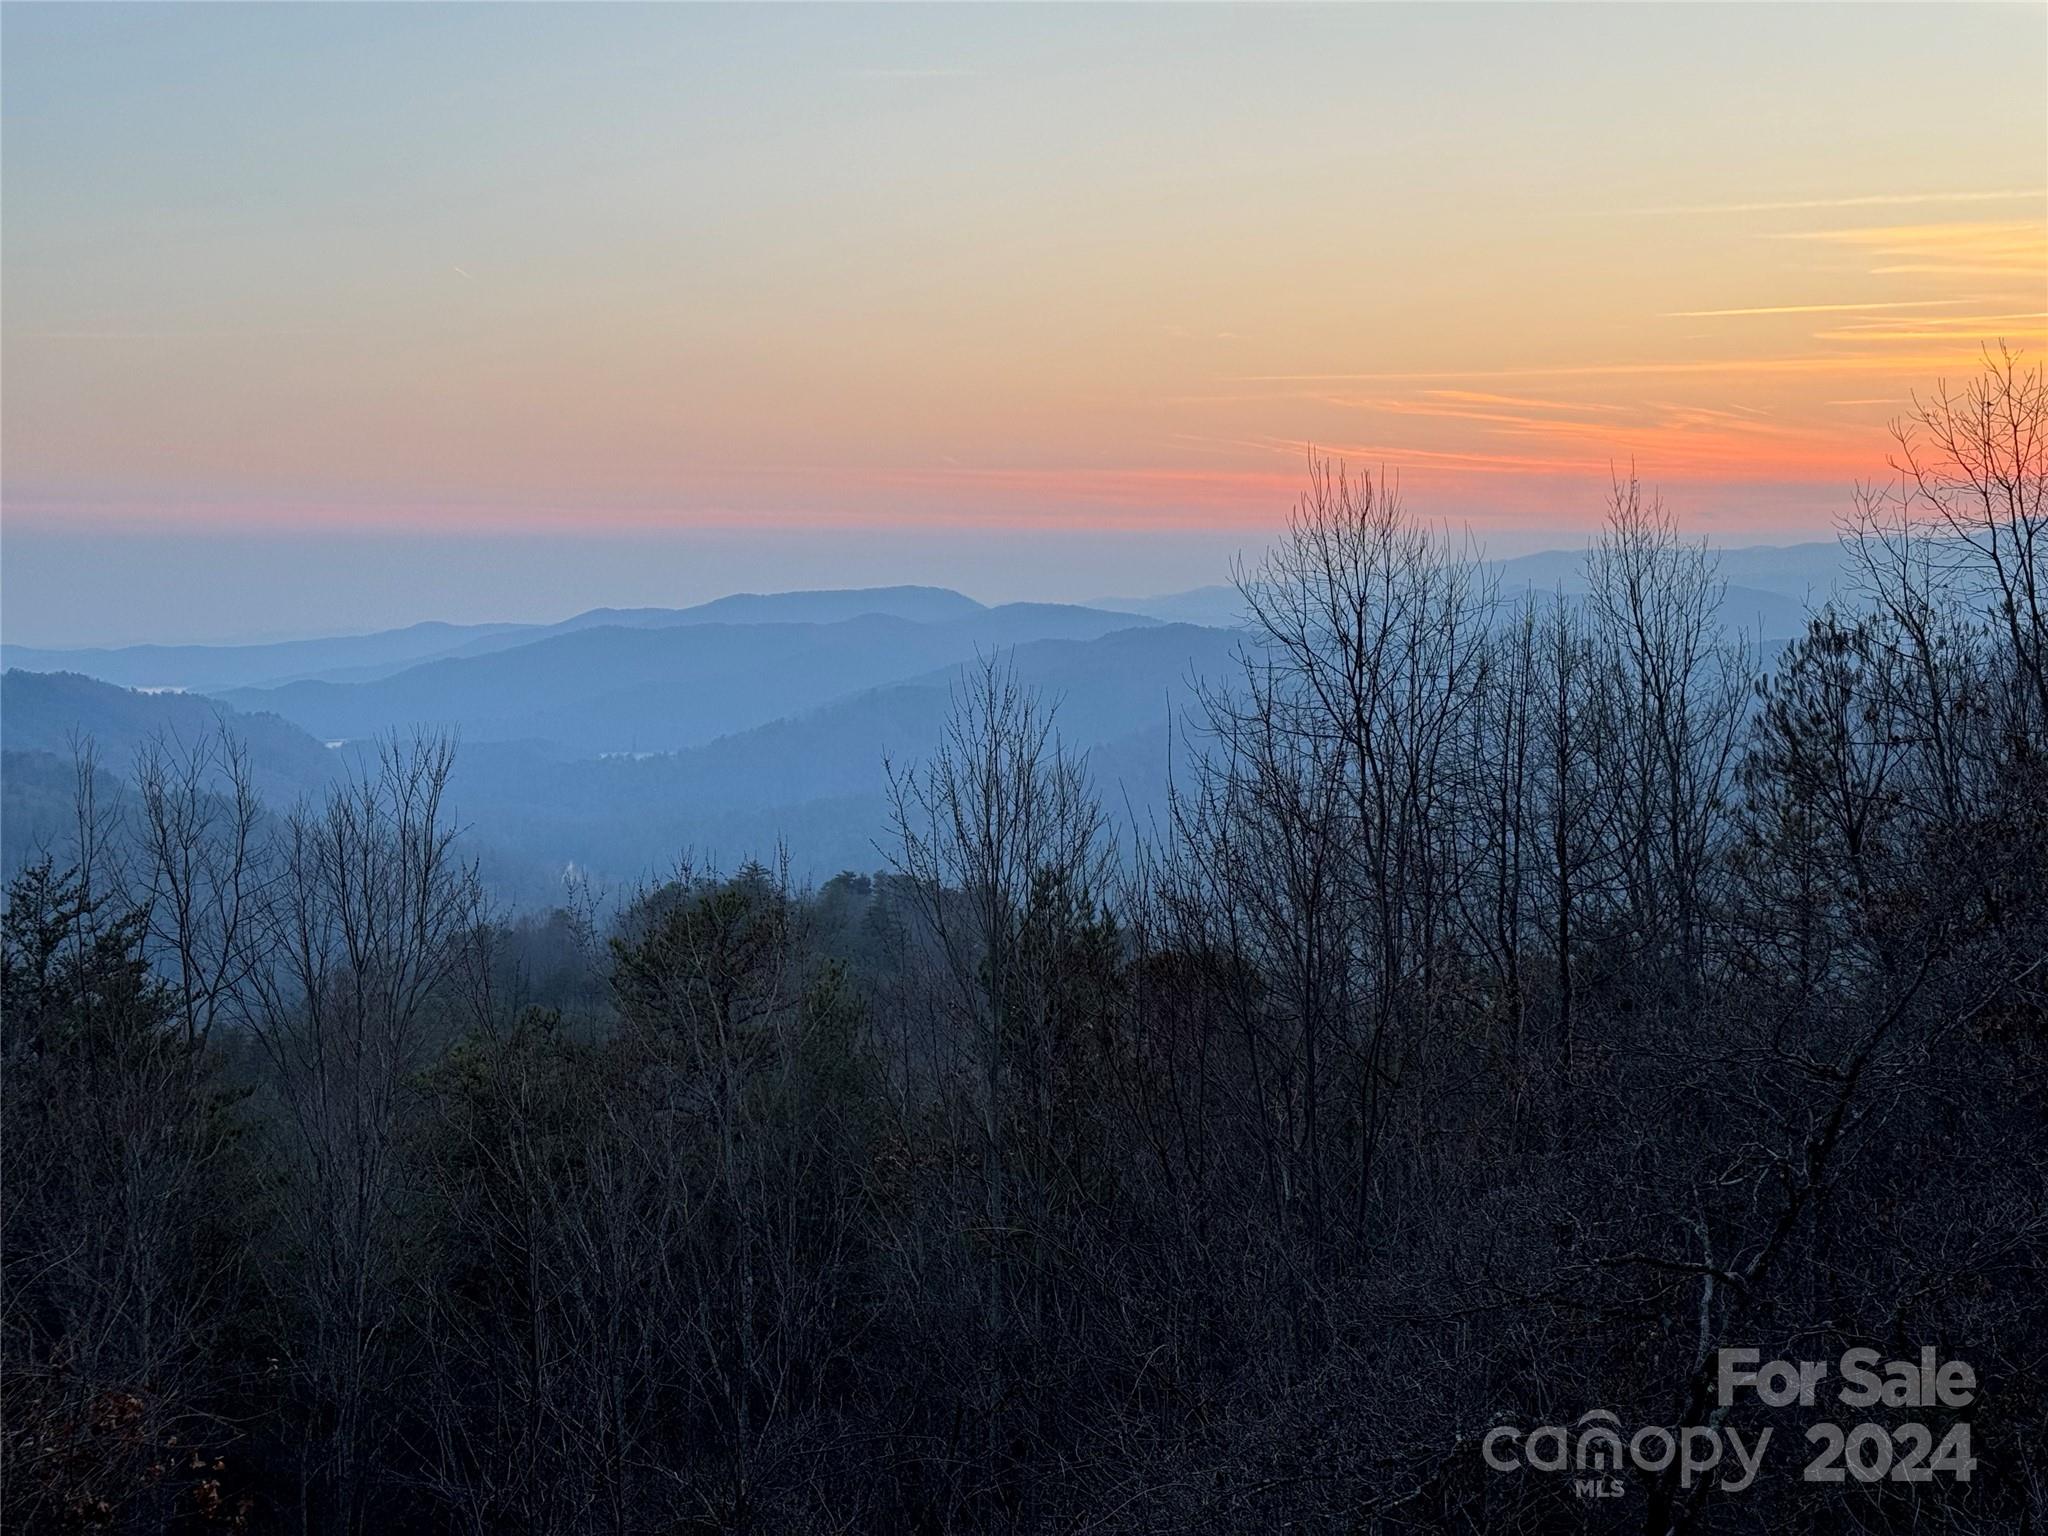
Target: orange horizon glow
1025,287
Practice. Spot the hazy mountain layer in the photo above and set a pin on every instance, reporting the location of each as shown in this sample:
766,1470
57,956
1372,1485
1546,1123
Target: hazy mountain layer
357,658
609,742
612,689
814,779
203,667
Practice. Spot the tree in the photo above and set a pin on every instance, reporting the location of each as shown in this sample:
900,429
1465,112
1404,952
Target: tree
362,932
999,841
199,832
126,1235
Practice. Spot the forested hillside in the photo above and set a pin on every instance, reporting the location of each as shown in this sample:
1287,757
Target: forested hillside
1519,998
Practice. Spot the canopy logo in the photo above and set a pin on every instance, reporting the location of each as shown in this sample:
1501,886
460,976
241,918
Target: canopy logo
1594,1446
1596,1454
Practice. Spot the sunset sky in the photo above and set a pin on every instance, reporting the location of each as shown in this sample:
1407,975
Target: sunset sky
748,287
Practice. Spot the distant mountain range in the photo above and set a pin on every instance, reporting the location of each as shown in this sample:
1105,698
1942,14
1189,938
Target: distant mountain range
1219,606
609,741
364,658
1770,590
659,688
812,778
198,668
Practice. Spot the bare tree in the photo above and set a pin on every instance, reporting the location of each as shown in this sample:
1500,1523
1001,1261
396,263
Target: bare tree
1963,524
1679,694
199,831
999,840
365,923
1375,637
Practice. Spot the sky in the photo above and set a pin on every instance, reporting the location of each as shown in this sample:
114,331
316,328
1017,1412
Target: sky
328,317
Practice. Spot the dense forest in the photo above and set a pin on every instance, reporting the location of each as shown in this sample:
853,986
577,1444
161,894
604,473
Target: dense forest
1521,1001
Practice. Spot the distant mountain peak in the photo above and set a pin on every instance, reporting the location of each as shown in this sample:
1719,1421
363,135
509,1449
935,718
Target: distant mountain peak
824,605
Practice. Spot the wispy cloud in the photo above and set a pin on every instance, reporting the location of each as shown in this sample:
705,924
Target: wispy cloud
1436,432
1481,397
1811,309
1490,410
1820,364
1971,248
2018,328
911,72
148,335
1871,200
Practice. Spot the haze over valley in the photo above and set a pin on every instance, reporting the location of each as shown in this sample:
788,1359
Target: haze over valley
602,746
